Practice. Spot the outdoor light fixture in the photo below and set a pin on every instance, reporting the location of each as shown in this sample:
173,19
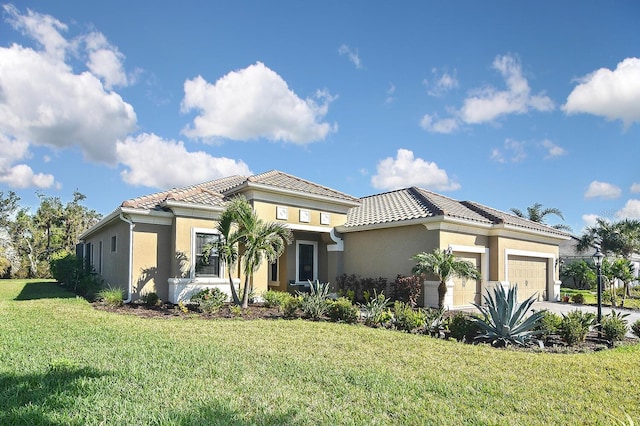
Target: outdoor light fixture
597,259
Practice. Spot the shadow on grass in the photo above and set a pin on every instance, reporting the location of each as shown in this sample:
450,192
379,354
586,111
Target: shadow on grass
218,414
32,399
44,290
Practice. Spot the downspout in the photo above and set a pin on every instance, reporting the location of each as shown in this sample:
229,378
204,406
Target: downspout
129,289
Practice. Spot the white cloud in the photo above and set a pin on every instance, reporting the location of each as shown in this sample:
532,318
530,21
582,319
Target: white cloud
254,102
405,170
513,152
631,210
22,176
433,123
602,190
635,187
44,29
145,157
590,219
440,84
105,61
488,104
351,54
390,92
614,95
553,150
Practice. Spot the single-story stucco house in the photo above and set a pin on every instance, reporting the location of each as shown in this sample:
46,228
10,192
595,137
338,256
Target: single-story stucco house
153,243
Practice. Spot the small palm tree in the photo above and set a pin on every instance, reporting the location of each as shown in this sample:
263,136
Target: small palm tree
444,265
536,213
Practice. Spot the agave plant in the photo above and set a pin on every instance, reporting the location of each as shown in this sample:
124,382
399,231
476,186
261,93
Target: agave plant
505,321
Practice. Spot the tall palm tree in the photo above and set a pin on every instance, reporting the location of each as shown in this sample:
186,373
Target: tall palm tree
444,265
536,213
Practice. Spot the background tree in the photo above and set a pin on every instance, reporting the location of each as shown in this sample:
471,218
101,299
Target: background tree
537,214
580,272
444,265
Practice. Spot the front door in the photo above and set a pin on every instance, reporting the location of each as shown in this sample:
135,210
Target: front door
307,261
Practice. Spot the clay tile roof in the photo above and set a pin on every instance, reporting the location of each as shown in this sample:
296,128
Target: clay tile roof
282,180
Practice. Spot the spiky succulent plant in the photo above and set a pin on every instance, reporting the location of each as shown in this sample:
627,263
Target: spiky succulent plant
505,321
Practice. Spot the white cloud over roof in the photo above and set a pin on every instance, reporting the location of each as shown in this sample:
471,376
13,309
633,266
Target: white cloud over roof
254,102
631,210
612,94
405,170
602,190
145,157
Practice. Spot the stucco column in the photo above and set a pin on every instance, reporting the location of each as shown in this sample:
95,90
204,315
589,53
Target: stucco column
431,294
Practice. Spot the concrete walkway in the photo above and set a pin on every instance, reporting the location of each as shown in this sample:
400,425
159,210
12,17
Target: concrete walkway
564,308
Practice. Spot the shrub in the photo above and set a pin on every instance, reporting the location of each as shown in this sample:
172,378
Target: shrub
577,298
291,306
275,299
151,299
343,310
549,323
614,326
209,300
462,327
111,296
575,325
635,328
356,288
406,318
505,322
314,304
407,289
375,310
435,322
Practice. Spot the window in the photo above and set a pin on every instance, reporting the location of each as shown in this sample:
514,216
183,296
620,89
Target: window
273,271
206,258
100,257
114,244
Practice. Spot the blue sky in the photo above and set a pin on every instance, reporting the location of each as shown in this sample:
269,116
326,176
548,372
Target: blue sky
504,103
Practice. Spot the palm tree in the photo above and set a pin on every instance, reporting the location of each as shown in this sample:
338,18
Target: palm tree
240,226
444,265
536,213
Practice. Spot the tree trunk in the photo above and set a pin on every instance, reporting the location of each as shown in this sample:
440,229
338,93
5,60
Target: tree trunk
442,290
245,294
234,293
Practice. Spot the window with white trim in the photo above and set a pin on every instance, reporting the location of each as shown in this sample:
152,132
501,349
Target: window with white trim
207,261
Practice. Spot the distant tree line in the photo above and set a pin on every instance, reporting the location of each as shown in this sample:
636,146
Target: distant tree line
29,240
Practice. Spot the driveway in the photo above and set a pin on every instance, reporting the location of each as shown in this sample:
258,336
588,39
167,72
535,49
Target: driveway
563,308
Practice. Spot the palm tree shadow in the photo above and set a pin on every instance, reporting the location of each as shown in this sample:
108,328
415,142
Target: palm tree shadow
44,290
31,399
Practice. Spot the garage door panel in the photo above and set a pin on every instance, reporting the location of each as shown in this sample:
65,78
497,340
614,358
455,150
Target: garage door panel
530,275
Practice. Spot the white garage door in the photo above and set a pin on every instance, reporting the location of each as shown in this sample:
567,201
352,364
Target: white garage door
530,275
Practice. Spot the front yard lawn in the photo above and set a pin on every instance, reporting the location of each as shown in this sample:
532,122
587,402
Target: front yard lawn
63,362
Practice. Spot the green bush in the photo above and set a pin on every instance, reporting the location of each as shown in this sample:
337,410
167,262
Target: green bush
463,328
275,299
549,323
315,304
111,297
343,310
209,300
291,306
151,299
406,318
577,298
635,328
375,310
614,326
435,323
575,325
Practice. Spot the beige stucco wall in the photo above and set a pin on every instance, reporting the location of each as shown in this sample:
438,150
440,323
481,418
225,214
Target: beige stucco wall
151,260
386,252
181,246
267,211
114,267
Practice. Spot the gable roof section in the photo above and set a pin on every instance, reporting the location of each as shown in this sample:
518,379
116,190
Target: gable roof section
413,203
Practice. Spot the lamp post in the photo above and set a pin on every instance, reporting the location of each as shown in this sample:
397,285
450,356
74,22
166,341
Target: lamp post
597,259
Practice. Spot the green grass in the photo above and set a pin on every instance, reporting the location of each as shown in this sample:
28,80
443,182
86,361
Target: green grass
62,362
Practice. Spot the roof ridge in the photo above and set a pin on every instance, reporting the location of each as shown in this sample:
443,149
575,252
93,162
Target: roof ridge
431,205
481,210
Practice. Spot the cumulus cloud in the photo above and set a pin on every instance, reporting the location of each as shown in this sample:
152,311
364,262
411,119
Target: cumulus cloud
602,190
488,104
44,102
433,123
351,54
105,61
441,83
512,152
145,157
405,170
589,219
631,210
252,103
614,95
552,149
635,187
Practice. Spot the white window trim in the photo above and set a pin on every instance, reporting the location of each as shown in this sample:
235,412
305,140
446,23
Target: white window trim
222,272
315,257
